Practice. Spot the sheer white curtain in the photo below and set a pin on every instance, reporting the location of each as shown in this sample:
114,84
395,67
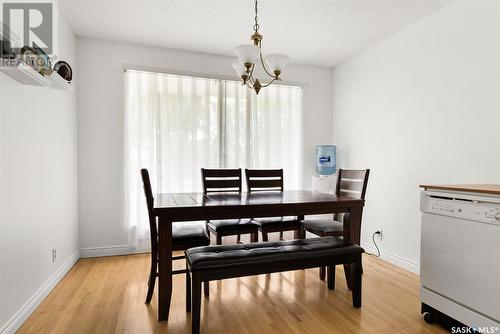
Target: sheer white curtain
275,131
263,131
176,125
172,128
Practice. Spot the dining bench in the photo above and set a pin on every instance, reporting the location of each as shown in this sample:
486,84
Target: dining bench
228,261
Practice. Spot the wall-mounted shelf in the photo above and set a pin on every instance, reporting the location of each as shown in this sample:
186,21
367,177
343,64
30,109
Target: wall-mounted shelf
25,75
28,76
57,82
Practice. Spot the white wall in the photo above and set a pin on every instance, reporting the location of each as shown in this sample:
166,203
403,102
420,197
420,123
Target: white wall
101,125
421,107
38,184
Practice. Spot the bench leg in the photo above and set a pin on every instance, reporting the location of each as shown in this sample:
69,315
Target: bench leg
206,288
188,291
331,277
195,302
356,291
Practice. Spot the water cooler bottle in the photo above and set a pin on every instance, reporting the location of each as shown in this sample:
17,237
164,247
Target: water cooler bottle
326,167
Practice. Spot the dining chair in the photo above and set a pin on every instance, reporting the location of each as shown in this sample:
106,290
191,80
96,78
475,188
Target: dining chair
224,182
184,236
350,183
271,180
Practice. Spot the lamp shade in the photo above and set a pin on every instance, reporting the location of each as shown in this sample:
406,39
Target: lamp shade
277,61
239,68
247,53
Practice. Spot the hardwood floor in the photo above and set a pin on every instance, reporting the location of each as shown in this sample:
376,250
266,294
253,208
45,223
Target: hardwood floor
106,295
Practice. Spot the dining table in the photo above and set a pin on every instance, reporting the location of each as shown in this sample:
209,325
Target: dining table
186,207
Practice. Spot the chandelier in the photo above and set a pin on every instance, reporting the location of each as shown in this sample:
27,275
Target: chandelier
250,54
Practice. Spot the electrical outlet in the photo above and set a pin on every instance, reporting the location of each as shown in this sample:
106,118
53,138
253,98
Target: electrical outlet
380,233
54,254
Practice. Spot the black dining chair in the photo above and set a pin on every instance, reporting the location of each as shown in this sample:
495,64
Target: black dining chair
350,183
226,181
271,180
184,236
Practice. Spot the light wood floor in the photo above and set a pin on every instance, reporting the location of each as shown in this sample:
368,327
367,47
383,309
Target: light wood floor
106,295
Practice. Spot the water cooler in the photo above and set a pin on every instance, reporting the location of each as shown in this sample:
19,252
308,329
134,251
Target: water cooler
326,168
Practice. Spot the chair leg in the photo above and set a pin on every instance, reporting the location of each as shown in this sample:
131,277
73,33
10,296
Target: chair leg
347,273
298,233
206,288
281,235
322,273
188,291
208,232
254,237
265,239
195,303
331,277
218,239
152,279
356,291
238,239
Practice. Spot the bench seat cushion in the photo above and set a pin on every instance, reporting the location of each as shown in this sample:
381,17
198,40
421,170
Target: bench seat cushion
267,253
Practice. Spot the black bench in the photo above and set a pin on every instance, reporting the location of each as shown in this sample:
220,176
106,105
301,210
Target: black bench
219,262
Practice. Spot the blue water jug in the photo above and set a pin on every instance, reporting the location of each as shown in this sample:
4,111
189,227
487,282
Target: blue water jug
326,159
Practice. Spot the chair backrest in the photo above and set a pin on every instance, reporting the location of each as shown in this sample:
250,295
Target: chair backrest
221,180
150,204
352,183
264,179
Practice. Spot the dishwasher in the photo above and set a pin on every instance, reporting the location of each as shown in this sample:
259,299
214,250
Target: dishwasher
460,258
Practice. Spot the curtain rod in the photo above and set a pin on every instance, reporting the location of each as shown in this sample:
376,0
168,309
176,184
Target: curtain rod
144,68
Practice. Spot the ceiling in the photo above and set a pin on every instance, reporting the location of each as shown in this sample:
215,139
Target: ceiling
311,32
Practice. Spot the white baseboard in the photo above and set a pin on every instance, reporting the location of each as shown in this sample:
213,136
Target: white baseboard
112,251
394,259
20,317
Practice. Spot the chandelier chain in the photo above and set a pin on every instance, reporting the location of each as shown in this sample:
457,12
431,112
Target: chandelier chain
256,25
248,59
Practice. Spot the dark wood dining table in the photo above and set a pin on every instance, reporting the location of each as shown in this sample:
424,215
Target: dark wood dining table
183,207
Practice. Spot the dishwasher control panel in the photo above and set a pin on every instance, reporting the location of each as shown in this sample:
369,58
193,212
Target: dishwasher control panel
464,208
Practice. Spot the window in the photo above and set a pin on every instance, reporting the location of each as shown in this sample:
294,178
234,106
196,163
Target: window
176,125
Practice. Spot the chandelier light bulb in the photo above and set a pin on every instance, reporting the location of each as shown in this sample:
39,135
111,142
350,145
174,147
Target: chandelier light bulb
277,61
247,53
239,68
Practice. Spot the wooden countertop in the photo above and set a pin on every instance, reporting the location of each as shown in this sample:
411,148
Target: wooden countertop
492,189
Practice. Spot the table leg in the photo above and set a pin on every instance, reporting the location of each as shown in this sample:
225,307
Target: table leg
164,267
352,232
355,225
